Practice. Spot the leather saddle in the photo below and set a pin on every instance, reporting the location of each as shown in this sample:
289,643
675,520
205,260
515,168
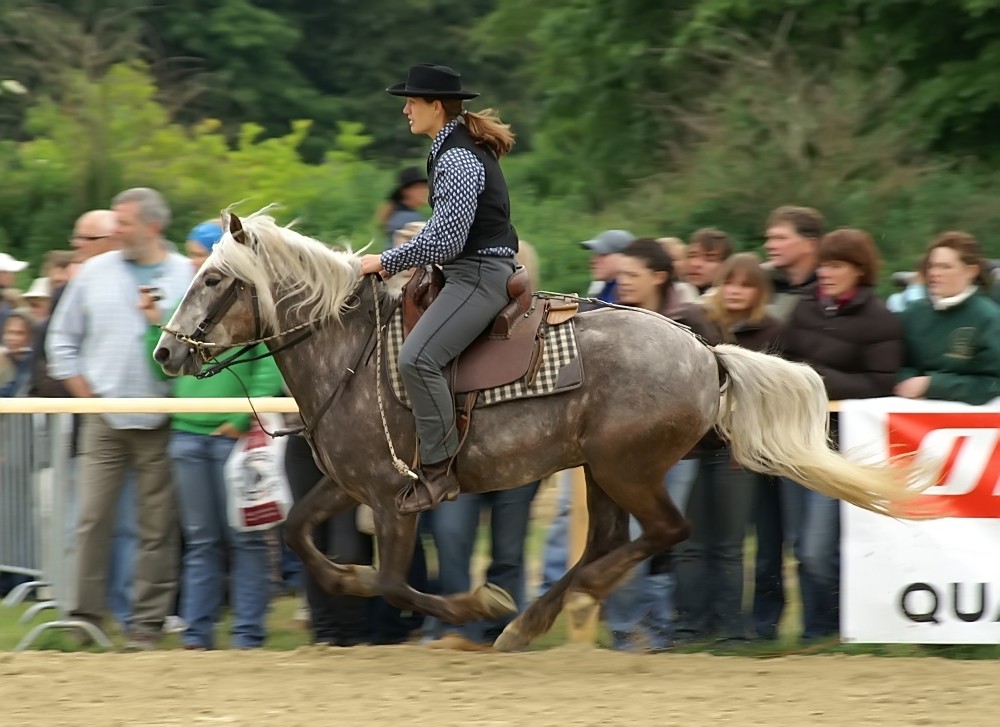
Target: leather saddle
509,349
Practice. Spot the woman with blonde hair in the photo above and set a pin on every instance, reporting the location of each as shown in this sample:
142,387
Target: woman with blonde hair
709,564
470,234
740,309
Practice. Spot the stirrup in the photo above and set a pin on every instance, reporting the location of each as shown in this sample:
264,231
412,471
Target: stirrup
416,497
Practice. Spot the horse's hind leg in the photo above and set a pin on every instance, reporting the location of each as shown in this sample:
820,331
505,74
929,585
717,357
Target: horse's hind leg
662,523
324,501
396,539
607,529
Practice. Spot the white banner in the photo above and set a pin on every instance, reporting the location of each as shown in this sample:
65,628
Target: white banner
935,581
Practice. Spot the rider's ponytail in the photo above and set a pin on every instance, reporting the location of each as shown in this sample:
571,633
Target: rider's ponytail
485,126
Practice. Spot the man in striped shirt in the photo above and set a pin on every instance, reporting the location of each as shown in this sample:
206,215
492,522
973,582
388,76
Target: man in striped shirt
96,346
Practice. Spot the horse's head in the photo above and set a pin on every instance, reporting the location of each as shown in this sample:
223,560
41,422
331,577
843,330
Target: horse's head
218,311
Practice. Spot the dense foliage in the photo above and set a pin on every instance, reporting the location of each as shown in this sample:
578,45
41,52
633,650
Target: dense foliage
655,116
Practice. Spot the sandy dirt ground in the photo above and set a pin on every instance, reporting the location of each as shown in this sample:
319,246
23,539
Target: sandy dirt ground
412,685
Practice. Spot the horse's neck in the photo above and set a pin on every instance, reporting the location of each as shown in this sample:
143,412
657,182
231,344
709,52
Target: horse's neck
313,369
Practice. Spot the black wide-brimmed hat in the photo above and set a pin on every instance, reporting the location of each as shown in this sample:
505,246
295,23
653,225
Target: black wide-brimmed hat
427,80
407,176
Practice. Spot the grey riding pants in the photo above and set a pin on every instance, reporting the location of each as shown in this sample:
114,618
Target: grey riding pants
475,291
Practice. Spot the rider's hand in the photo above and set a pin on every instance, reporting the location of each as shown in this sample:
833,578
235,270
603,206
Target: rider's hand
372,264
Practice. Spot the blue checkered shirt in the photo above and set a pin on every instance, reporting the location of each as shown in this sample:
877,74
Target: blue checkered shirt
459,179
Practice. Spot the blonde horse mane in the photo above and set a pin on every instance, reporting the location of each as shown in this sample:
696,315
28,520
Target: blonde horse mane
276,258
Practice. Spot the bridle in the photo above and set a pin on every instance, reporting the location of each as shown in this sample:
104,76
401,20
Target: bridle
371,345
217,312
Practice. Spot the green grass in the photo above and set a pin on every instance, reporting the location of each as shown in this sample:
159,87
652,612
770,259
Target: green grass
284,633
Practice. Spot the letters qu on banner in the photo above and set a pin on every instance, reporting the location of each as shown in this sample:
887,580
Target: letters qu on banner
925,581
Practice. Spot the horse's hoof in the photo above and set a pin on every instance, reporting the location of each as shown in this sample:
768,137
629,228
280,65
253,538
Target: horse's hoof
367,579
580,606
495,601
510,640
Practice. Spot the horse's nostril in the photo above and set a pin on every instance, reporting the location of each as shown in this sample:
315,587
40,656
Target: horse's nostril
161,355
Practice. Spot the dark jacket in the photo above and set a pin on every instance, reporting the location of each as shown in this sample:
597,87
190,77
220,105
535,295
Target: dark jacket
691,315
786,295
857,347
41,383
694,317
763,336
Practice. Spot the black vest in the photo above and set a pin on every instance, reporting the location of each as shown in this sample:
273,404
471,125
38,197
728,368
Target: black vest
491,227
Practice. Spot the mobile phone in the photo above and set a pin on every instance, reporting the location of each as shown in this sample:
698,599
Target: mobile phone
152,291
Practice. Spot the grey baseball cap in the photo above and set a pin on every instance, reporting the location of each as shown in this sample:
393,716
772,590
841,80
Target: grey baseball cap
609,242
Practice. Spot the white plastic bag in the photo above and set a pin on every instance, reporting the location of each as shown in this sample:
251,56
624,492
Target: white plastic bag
257,493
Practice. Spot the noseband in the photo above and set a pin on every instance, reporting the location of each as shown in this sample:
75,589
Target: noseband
222,306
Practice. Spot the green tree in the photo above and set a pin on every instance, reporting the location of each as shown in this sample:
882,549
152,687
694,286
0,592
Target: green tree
947,50
602,86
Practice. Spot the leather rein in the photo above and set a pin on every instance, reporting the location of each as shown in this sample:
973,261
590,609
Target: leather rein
219,309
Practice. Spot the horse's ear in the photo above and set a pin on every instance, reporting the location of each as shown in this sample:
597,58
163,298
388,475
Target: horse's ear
236,229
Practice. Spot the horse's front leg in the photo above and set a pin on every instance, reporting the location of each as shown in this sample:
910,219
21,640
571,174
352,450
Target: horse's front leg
324,501
396,539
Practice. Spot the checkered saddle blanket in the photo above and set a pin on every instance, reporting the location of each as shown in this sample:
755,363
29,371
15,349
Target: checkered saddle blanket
561,368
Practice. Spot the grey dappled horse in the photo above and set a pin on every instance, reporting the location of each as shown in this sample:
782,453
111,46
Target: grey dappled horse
652,390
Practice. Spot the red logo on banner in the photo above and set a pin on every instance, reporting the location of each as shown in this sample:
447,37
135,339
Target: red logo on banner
969,446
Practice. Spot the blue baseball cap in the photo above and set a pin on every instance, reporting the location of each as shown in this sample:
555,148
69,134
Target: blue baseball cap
207,234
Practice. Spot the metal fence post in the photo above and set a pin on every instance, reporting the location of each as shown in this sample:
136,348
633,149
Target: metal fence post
54,485
19,537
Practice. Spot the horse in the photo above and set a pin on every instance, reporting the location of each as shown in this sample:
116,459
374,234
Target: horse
652,389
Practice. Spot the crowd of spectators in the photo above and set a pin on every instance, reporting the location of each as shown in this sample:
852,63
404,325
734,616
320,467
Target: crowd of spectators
154,550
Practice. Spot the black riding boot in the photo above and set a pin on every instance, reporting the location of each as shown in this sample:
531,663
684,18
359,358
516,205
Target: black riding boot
437,482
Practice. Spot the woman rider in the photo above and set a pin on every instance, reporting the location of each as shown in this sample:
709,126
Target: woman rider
471,236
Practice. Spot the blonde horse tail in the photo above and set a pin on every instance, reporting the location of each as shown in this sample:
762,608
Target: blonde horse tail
775,417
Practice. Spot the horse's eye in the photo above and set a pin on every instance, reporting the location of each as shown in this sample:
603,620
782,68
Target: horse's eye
212,282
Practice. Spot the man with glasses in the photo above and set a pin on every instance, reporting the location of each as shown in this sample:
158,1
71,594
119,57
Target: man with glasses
93,234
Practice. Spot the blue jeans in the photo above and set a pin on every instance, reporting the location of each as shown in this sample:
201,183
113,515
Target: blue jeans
198,461
807,523
642,607
555,551
124,546
455,526
709,564
821,561
778,520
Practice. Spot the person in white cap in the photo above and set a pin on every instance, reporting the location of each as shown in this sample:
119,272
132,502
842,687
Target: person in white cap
9,268
38,297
